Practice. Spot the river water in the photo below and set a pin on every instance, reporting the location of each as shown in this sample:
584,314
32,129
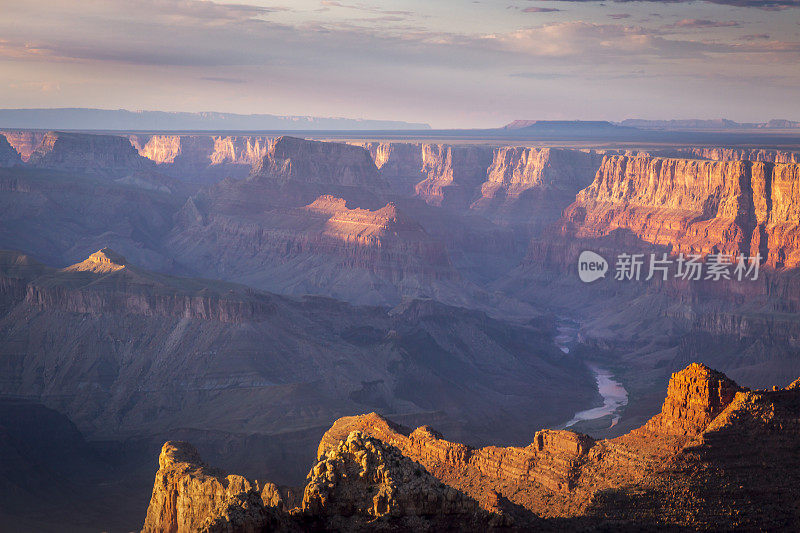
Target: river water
614,395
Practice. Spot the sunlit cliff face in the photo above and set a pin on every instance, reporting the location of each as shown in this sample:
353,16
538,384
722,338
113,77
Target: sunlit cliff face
447,63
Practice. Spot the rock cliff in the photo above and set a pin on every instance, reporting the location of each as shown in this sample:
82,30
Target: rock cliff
8,155
291,159
691,466
106,154
527,188
359,485
741,154
202,157
25,142
694,206
453,174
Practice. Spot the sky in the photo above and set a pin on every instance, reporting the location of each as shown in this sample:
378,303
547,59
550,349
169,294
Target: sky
450,63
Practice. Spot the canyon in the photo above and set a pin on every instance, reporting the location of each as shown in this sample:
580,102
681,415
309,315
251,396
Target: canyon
246,291
144,354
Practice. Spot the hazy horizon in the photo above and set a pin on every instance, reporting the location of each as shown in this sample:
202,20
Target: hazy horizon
449,64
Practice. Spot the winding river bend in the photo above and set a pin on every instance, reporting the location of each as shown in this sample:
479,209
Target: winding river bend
614,395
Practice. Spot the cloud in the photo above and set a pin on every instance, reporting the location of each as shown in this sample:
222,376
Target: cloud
703,23
755,37
540,10
619,16
366,8
768,5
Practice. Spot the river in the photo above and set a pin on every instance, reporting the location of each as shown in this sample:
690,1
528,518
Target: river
614,395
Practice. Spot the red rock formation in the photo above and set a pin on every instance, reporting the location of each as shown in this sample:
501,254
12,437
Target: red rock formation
693,465
400,164
189,496
741,154
239,365
694,206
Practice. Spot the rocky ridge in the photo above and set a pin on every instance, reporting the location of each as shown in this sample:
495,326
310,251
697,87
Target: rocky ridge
688,459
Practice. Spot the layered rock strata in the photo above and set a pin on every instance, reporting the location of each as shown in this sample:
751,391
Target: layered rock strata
694,206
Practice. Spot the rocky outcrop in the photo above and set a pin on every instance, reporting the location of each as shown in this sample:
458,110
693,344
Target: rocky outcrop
400,164
324,247
25,142
695,397
8,155
105,154
362,476
694,206
360,485
694,465
105,283
440,174
291,159
189,496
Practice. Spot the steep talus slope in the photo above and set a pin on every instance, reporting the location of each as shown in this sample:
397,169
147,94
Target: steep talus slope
694,465
142,354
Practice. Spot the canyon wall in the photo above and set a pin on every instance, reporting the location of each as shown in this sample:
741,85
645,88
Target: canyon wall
453,174
694,206
741,154
24,142
8,155
86,152
204,158
290,159
225,360
527,188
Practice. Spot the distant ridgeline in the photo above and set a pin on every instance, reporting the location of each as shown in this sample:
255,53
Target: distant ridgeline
124,120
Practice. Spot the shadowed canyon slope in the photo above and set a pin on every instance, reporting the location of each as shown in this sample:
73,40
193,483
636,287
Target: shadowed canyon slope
697,464
144,354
